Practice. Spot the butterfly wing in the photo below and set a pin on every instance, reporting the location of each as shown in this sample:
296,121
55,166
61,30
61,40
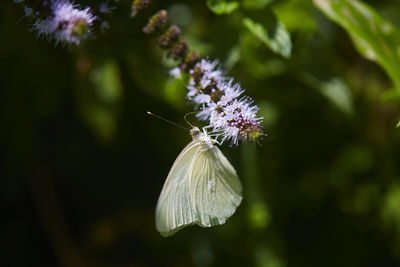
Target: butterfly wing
202,188
175,208
215,187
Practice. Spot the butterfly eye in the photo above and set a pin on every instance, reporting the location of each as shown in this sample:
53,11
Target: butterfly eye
195,131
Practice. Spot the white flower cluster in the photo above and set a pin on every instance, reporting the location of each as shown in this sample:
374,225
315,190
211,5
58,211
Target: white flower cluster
222,103
66,23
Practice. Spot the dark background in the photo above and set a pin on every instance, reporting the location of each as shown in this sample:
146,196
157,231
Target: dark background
82,165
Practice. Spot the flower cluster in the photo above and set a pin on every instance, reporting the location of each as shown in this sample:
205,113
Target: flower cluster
66,23
222,103
63,20
219,100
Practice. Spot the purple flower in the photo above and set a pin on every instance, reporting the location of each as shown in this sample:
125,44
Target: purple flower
221,102
176,72
66,23
237,121
202,99
28,11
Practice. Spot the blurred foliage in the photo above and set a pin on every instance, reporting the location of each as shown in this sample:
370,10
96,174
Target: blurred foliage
82,164
222,7
279,43
374,36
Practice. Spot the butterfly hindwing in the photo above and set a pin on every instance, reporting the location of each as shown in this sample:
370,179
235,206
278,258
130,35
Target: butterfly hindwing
215,188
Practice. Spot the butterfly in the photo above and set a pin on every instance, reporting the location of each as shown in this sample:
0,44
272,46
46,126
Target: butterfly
202,188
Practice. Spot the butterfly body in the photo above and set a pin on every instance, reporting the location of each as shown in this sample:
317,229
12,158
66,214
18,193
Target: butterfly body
202,188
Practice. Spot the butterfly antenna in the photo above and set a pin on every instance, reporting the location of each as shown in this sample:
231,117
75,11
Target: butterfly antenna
164,119
187,114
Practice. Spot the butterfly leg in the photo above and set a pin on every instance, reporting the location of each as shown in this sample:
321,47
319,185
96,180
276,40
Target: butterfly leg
222,141
215,134
218,142
205,128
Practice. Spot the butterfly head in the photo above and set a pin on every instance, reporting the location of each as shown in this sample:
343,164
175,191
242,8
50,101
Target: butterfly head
202,136
195,132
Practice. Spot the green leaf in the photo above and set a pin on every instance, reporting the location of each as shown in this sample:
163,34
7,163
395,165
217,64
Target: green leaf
297,15
277,38
255,4
339,94
220,7
374,37
391,95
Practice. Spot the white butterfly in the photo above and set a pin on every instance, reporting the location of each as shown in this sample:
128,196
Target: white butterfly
202,188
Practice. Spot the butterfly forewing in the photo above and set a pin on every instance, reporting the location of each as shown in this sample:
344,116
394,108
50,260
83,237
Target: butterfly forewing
174,208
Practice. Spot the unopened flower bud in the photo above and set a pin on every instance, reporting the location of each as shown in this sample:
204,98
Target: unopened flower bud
190,60
178,50
170,37
156,21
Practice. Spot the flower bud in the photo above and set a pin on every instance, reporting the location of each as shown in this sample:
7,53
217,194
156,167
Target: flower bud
156,21
178,50
170,37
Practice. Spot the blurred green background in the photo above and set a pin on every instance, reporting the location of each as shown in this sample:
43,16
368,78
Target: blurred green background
82,165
